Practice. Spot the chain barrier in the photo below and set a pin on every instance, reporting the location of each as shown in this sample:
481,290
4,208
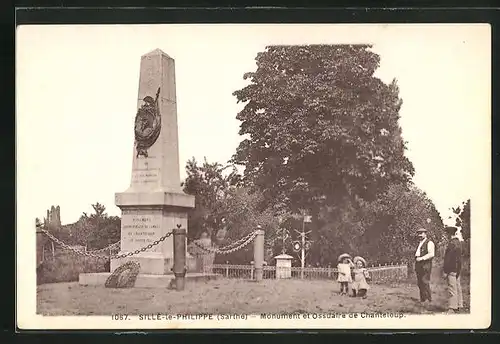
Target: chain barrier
244,239
233,247
104,249
115,256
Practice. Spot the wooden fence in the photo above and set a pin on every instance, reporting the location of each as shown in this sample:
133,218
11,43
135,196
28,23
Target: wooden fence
379,274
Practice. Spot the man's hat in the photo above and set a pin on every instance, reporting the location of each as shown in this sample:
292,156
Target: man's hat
421,230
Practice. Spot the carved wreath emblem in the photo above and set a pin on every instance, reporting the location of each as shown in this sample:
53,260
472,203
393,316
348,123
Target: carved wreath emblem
147,125
124,276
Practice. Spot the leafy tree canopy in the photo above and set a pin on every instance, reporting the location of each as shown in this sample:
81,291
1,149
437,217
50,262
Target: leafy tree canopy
463,218
210,187
319,126
223,209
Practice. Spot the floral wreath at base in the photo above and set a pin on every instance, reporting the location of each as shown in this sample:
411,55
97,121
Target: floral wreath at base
114,281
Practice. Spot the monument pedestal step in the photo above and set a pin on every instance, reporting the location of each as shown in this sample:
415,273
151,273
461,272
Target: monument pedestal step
156,264
144,280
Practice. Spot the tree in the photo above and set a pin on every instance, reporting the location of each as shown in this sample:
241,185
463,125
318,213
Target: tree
463,218
97,230
210,187
340,229
463,221
320,127
382,231
390,224
224,209
242,216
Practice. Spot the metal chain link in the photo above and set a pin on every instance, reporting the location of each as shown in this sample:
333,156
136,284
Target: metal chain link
237,242
105,248
233,247
250,236
115,256
156,242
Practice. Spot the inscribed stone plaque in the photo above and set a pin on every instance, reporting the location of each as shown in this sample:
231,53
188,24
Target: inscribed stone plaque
145,176
140,228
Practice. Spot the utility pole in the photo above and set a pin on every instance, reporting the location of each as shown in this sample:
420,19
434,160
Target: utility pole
303,254
283,249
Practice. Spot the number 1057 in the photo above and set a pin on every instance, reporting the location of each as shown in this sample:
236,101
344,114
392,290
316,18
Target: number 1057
119,316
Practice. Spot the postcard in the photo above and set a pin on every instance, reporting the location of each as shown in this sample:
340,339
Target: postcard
253,176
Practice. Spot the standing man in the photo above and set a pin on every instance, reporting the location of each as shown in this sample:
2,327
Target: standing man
423,264
452,266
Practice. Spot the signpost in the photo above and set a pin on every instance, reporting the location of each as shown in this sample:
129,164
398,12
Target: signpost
303,244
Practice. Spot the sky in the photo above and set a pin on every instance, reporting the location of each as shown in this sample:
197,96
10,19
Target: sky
77,88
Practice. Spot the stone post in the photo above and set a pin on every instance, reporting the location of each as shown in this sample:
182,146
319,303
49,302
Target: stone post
179,268
258,254
40,245
283,266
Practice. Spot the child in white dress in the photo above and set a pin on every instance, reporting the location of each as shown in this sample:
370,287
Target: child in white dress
344,273
360,277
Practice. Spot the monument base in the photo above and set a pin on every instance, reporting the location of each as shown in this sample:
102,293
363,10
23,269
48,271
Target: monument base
145,280
154,264
147,217
131,198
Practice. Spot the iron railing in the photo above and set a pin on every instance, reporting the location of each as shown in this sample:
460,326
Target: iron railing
379,274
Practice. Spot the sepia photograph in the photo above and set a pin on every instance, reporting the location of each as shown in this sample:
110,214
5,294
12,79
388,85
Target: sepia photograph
253,176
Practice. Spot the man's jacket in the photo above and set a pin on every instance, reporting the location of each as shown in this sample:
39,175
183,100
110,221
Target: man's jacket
453,257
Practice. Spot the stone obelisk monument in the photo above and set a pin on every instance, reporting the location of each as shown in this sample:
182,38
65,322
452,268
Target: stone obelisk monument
154,203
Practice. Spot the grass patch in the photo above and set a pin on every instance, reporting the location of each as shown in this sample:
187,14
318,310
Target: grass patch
67,266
